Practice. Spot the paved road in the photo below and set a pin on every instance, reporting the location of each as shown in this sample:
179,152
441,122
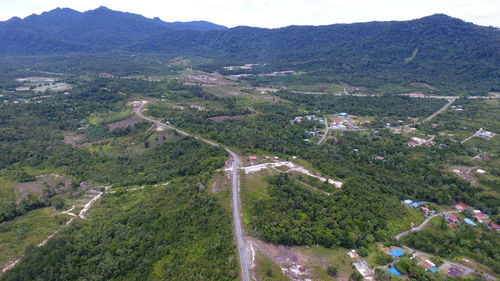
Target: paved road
466,270
475,134
327,128
450,101
238,229
423,224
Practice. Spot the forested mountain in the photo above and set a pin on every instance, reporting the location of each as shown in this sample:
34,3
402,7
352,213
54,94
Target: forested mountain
95,30
437,49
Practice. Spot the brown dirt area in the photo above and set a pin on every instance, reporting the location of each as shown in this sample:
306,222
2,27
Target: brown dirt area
465,173
226,117
72,138
123,124
53,182
290,258
423,85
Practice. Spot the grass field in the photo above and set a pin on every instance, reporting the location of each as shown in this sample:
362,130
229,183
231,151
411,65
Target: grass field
110,117
266,270
404,223
324,257
27,230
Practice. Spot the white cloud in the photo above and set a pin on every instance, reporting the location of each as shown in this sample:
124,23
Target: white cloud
273,13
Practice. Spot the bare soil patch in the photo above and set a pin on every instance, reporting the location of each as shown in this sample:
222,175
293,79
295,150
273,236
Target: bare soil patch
44,186
123,124
423,85
72,138
226,117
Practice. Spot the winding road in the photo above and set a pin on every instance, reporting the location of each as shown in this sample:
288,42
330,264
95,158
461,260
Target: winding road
423,224
466,270
238,229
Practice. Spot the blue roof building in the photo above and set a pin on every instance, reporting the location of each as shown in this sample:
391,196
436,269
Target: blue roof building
433,269
397,252
393,270
469,221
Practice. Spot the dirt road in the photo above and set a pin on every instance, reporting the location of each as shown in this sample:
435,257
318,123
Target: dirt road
238,229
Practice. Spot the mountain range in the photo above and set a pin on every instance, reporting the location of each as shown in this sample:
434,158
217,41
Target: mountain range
434,48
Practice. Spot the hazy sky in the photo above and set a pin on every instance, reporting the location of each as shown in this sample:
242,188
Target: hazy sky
273,13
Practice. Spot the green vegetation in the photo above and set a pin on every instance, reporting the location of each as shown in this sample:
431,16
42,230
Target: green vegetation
28,230
266,270
116,244
382,106
477,243
297,216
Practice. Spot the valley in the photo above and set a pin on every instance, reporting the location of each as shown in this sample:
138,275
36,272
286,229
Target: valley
200,160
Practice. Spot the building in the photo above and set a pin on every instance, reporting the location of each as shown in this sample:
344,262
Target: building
459,207
429,266
480,215
481,171
452,218
363,268
397,252
454,272
394,271
469,222
252,158
494,226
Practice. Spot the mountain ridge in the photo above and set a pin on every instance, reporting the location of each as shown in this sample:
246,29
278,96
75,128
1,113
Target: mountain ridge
436,48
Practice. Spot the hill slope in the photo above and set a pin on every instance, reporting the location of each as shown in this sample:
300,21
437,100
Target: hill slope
437,49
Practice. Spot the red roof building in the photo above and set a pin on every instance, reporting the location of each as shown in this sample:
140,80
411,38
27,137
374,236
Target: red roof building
252,157
480,215
494,226
459,207
452,218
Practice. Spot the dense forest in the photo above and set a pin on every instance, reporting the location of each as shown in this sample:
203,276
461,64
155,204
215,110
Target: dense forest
296,216
434,49
174,232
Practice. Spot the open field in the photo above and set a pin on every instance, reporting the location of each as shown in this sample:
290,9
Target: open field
28,230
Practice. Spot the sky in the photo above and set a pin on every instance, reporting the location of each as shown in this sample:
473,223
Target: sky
273,13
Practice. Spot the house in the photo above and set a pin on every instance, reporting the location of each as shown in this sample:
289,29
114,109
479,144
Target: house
363,268
481,171
252,158
494,226
397,252
452,218
425,209
426,264
379,157
470,222
454,272
407,201
480,215
459,207
412,144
